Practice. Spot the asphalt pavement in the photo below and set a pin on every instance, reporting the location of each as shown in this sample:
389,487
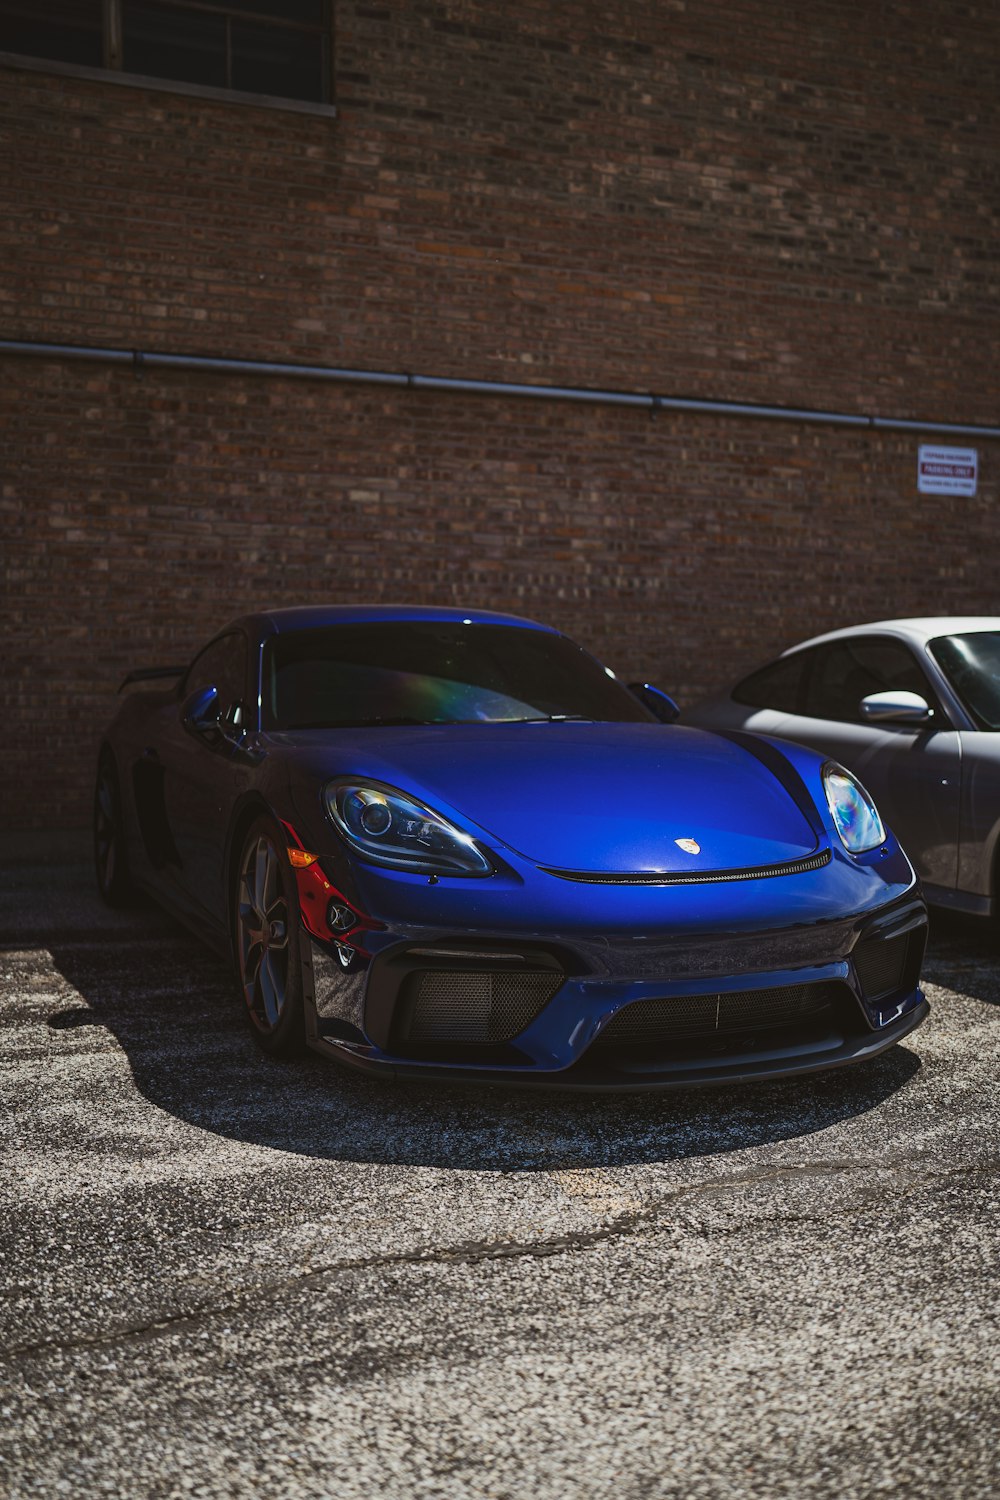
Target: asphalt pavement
226,1276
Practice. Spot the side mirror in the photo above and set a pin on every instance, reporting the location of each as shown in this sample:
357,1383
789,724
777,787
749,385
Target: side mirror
659,703
200,714
896,707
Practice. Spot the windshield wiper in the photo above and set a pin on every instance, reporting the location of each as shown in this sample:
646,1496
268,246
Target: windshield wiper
390,722
376,723
557,719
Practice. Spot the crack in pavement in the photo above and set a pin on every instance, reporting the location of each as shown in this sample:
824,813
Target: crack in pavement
478,1252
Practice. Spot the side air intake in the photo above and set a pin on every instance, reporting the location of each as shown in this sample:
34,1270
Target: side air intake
467,1007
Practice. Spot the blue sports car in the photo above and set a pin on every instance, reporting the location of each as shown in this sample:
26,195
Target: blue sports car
447,843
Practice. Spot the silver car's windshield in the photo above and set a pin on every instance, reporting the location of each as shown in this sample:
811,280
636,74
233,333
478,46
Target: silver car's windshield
971,664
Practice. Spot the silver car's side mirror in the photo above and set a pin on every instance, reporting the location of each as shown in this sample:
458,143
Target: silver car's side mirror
896,707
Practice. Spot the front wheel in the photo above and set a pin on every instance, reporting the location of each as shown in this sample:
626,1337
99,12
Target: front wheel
266,933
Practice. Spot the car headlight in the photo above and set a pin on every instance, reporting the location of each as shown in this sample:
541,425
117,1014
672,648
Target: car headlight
389,828
853,811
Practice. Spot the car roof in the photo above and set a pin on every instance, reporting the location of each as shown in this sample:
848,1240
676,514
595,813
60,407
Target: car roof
918,630
315,616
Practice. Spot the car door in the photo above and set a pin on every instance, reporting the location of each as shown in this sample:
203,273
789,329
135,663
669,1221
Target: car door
201,771
912,771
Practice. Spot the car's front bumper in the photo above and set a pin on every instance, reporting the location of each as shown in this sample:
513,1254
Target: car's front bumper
361,1014
754,1065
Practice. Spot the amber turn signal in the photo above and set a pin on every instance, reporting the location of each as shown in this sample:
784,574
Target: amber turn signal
301,859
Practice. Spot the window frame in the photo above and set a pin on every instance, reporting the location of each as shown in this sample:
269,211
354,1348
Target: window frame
112,71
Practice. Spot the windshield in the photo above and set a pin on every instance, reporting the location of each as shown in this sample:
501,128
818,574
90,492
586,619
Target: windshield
971,664
425,672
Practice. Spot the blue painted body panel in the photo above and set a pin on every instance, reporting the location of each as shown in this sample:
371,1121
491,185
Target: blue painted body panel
601,797
595,798
636,943
526,902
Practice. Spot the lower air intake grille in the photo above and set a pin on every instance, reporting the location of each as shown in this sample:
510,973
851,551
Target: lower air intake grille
882,964
452,1005
651,1023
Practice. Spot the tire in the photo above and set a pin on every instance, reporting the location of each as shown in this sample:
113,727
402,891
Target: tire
114,880
266,941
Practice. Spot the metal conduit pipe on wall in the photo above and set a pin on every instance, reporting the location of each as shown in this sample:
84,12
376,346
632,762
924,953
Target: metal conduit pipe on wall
140,358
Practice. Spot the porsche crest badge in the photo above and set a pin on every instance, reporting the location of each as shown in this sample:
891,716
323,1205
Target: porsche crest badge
690,846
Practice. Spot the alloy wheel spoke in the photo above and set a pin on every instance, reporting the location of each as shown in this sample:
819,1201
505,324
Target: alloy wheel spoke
260,877
262,930
251,965
270,876
276,911
270,991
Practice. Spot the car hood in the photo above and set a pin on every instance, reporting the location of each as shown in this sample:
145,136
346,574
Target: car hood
609,798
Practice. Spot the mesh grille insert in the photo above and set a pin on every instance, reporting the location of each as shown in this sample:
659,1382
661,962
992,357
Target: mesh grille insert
650,1023
451,1005
881,963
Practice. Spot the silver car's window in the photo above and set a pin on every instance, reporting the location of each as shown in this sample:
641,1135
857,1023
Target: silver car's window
829,682
971,664
846,671
778,686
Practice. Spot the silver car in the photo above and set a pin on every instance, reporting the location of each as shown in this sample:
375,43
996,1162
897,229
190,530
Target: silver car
912,707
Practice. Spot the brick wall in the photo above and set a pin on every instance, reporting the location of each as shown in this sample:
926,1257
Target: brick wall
721,200
144,511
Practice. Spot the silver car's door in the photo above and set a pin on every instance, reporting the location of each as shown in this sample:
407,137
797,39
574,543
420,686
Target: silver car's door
914,774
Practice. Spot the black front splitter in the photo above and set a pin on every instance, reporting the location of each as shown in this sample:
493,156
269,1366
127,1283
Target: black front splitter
749,1067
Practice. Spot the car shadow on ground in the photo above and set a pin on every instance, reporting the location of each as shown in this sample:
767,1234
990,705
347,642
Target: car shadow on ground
171,1006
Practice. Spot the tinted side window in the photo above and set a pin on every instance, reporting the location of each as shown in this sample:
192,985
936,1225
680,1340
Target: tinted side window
778,686
222,665
846,671
971,664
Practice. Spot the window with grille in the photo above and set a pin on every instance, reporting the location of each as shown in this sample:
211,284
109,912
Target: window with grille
272,50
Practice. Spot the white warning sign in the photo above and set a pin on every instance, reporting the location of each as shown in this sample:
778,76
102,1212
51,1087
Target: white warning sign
947,471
